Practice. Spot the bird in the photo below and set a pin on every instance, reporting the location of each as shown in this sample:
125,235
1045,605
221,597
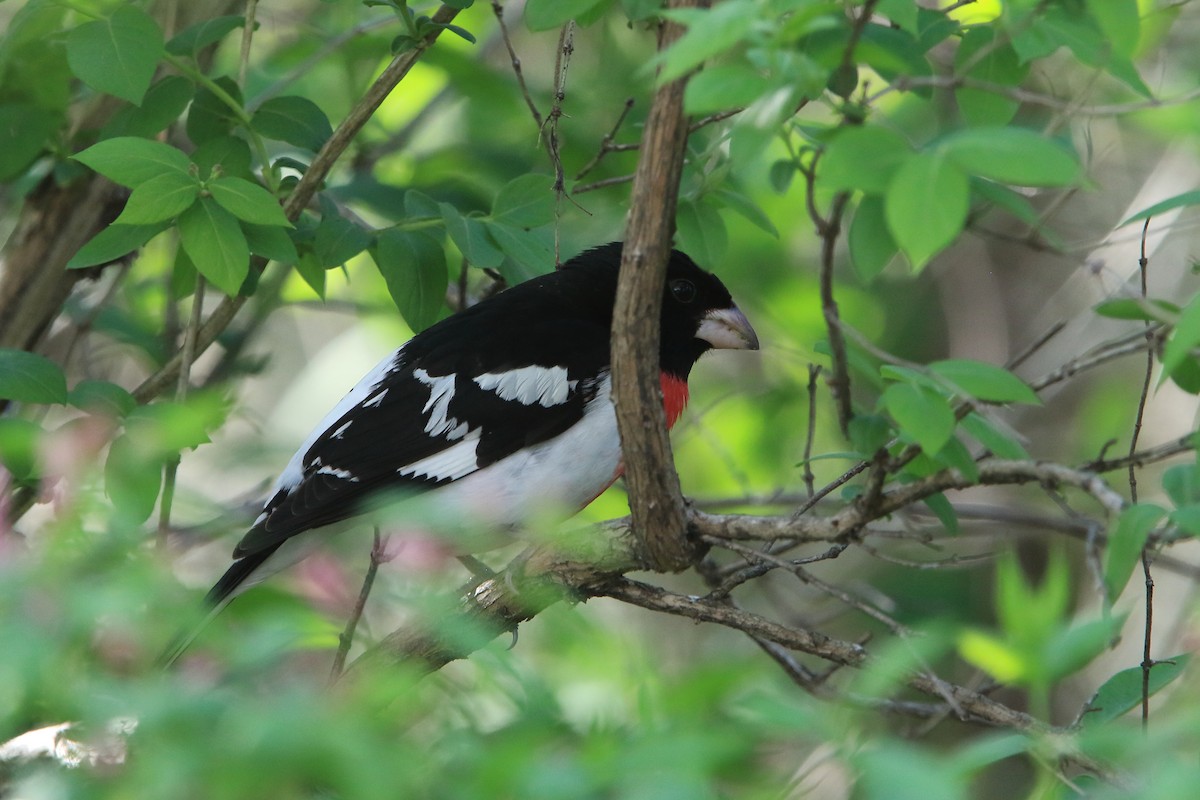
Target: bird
499,413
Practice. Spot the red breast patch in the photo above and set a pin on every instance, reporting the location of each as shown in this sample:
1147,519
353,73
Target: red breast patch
675,397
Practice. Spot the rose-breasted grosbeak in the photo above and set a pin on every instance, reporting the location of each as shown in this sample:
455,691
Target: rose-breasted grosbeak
501,411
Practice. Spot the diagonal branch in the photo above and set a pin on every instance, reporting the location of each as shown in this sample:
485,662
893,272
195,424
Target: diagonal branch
655,497
592,561
305,189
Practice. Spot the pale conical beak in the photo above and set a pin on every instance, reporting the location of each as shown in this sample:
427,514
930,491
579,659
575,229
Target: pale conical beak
727,329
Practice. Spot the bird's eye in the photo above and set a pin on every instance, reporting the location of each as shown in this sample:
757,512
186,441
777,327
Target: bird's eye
683,290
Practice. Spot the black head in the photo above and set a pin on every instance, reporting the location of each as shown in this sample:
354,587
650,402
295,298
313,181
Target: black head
698,313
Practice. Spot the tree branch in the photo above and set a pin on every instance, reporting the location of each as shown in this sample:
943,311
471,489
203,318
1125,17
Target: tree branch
655,497
305,189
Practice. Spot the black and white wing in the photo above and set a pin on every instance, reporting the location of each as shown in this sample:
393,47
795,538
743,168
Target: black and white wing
431,414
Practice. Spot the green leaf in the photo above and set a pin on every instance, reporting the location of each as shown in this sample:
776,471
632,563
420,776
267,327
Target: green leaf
471,238
525,202
995,63
993,655
1077,646
1063,25
247,201
1119,21
271,242
527,253
30,378
229,153
293,119
922,415
985,381
1001,444
161,198
414,267
1012,155
1182,484
114,242
1125,544
102,397
20,443
901,12
893,52
543,15
214,241
891,770
420,206
927,203
747,209
117,55
863,158
210,117
131,161
871,244
1191,198
722,87
955,455
944,511
1187,519
131,480
1136,309
164,103
868,433
1009,200
312,272
1123,692
1187,375
337,239
194,38
701,231
25,132
709,32
1185,336
460,32
782,172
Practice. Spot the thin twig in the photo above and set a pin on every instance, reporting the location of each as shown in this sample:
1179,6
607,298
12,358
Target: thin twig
1184,444
1037,345
514,59
247,38
562,63
839,379
602,184
1147,661
1097,356
346,637
606,144
814,371
181,392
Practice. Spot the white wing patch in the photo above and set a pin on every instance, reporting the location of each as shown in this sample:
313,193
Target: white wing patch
441,392
293,473
546,386
336,472
450,464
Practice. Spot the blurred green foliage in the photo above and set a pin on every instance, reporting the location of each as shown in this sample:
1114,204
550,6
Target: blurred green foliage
982,155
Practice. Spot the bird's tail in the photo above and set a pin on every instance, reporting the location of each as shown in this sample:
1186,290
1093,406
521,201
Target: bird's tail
217,598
